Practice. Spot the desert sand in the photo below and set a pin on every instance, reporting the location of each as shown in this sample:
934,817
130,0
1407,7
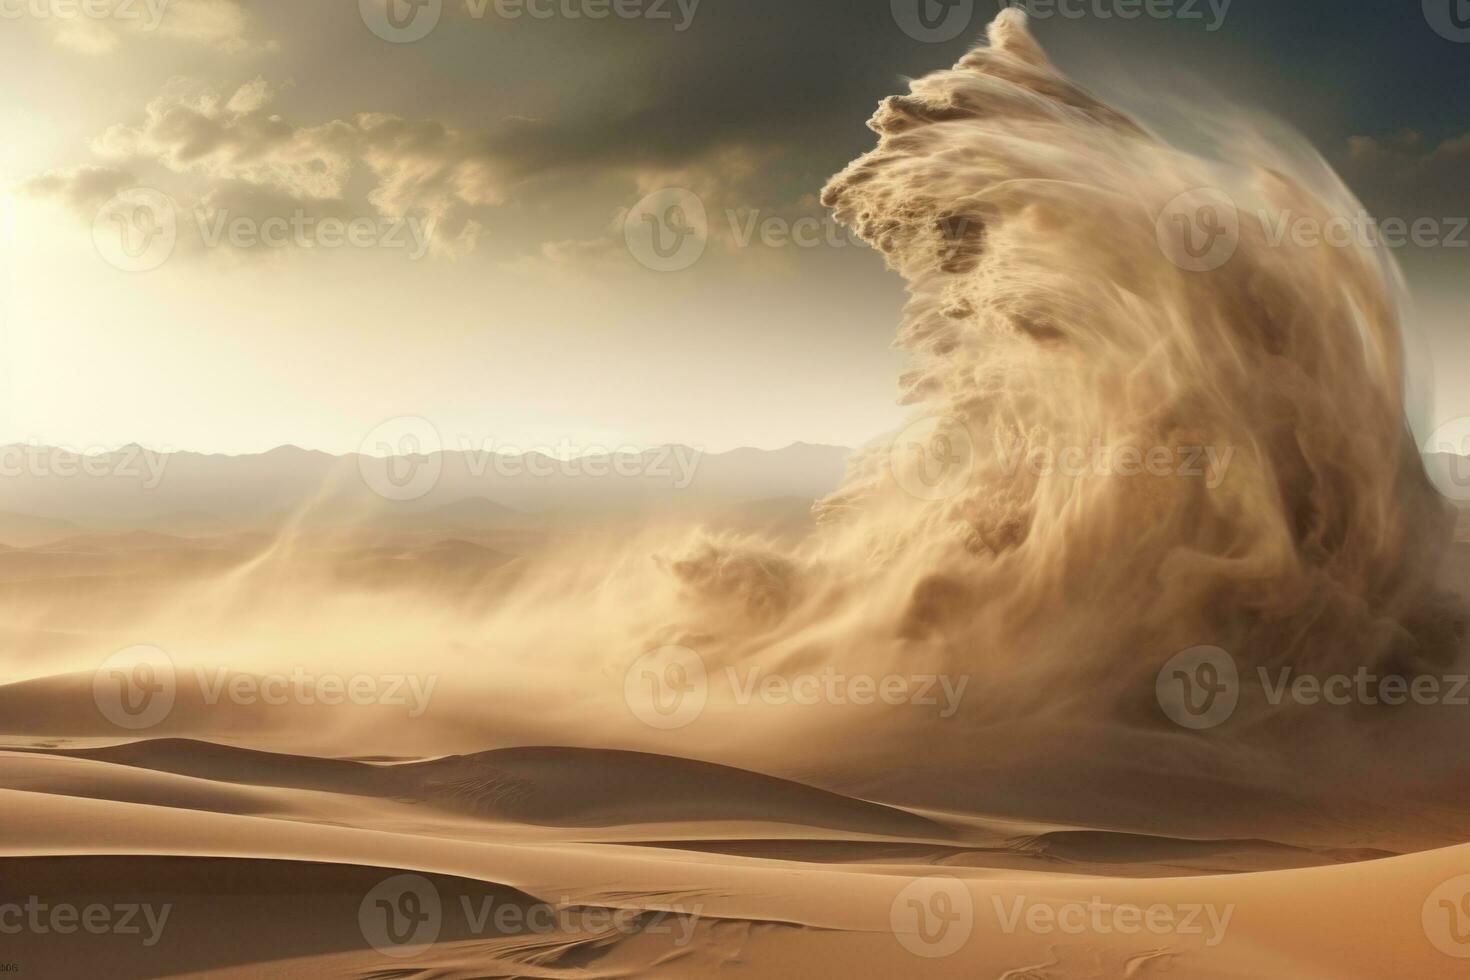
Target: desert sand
562,837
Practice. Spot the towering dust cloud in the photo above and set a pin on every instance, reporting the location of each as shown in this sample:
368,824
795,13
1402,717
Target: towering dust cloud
1173,429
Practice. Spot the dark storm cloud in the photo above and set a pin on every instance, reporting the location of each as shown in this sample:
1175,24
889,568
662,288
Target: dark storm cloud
1409,170
801,77
491,110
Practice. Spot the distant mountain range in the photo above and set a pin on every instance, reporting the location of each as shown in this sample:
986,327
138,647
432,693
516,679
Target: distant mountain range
191,494
196,493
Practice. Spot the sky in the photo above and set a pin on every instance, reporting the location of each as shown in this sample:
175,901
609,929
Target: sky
234,225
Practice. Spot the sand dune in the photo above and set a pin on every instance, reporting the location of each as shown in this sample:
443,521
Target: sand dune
541,786
286,888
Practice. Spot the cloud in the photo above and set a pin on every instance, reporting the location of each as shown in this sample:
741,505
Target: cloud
215,144
1409,157
102,26
81,189
228,143
725,179
191,128
1408,174
429,166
